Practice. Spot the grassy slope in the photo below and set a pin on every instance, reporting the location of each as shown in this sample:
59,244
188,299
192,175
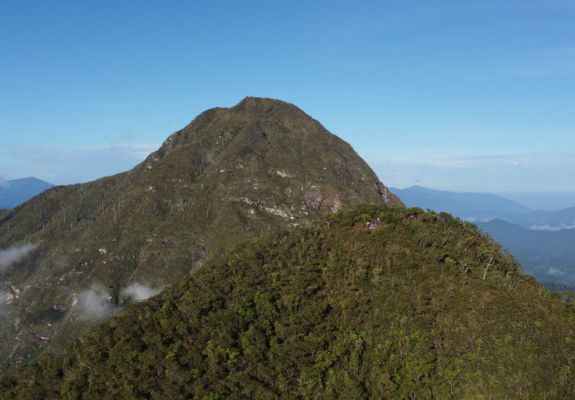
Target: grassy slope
422,307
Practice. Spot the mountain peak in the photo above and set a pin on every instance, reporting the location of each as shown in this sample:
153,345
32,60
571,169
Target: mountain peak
259,103
264,108
253,119
231,175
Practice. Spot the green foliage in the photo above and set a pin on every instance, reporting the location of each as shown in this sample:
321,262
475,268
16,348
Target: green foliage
407,310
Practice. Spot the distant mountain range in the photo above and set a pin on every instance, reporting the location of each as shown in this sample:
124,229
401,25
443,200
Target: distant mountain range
547,255
486,207
17,191
542,241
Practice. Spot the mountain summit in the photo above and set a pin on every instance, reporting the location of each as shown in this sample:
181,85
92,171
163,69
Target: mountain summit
77,254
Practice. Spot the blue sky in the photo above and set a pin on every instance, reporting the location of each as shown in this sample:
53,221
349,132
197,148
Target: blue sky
455,95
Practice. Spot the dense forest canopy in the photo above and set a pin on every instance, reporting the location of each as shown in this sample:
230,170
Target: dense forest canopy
374,302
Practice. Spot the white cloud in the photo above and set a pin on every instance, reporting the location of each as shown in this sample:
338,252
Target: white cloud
14,254
556,272
551,228
95,303
139,292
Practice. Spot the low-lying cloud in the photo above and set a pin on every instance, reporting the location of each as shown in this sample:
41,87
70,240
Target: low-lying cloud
139,292
14,254
556,275
552,228
555,271
95,303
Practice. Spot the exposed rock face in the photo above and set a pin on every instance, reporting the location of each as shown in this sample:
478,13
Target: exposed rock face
230,175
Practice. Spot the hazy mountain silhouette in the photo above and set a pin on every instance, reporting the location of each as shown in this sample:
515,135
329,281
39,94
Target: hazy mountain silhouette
16,191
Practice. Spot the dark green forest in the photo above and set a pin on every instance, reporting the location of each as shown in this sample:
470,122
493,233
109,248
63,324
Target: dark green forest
373,302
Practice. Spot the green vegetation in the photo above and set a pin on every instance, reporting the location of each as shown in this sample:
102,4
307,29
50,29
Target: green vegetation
421,306
228,177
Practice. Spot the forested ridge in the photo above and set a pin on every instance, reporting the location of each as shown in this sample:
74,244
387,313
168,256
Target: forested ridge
373,302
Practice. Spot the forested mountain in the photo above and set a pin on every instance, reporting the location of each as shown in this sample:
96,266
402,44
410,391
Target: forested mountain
376,302
75,255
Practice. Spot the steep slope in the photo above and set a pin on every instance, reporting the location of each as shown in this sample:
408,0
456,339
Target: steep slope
230,175
373,303
16,191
